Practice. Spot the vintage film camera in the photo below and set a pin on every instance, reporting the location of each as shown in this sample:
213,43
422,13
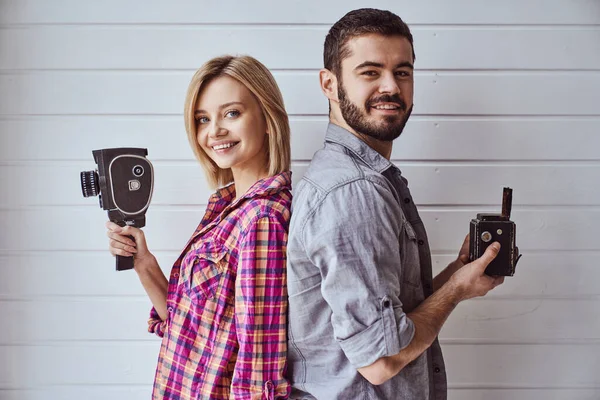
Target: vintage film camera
489,228
123,183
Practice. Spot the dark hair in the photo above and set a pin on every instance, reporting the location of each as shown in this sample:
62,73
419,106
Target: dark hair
357,23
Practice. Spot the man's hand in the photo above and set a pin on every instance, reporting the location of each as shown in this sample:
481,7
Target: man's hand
470,280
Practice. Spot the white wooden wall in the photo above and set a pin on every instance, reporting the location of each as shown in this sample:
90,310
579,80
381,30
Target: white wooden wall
507,94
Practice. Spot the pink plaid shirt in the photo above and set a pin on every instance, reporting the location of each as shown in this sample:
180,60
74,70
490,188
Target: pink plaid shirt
225,335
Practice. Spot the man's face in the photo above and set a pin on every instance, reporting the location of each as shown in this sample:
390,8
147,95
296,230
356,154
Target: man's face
375,86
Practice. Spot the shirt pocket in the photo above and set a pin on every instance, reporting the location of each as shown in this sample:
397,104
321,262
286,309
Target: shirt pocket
206,271
410,262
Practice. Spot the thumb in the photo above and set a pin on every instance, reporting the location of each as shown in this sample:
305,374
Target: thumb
490,253
132,231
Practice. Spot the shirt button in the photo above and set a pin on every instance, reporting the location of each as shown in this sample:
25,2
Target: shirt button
421,242
386,303
170,309
407,200
437,370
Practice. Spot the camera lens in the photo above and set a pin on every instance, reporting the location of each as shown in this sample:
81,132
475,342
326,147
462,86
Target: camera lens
89,183
138,170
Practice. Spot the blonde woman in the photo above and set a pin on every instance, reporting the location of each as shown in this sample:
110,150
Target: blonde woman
222,311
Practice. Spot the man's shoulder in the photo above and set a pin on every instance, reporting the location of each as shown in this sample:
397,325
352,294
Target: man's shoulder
333,167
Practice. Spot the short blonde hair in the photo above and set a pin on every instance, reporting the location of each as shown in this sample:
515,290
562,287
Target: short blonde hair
259,81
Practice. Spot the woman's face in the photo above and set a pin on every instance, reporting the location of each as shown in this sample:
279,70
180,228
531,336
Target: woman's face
231,127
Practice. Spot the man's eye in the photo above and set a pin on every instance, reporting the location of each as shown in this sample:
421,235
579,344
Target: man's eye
232,113
370,73
402,73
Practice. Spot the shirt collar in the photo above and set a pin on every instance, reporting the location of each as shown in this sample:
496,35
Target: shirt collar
266,186
341,136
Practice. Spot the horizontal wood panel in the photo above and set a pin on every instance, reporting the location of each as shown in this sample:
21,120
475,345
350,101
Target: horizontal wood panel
523,394
102,47
523,365
134,363
490,320
425,138
41,275
297,12
82,228
448,93
144,393
435,183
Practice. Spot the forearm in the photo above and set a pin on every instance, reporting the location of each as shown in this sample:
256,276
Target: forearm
428,320
440,279
155,284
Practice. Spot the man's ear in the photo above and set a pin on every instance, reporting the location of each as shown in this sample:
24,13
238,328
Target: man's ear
329,84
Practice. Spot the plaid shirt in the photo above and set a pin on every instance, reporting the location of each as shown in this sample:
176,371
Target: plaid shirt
225,335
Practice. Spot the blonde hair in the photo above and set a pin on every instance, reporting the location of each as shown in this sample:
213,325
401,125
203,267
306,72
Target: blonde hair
259,81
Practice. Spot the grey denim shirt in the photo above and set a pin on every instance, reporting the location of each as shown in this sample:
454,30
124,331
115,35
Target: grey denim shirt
358,261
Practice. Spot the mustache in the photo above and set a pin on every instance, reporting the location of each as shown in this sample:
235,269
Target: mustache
387,98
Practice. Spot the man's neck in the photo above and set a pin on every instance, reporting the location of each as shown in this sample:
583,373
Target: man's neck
382,147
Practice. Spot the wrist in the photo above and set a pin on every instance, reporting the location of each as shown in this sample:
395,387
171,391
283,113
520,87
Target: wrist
146,264
456,288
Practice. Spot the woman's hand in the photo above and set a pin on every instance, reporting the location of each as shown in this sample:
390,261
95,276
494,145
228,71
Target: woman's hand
120,244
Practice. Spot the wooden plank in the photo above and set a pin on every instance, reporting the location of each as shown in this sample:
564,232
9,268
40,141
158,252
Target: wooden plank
299,12
534,366
164,48
493,321
553,229
569,275
447,93
425,138
57,183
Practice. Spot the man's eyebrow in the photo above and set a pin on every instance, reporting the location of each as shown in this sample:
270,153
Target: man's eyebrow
403,64
220,107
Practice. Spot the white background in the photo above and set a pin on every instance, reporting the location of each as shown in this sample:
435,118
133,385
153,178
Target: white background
507,94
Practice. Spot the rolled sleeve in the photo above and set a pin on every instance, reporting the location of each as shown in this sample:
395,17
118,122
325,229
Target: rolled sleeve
353,238
156,325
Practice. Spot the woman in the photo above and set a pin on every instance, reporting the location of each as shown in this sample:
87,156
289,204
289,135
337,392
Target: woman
222,313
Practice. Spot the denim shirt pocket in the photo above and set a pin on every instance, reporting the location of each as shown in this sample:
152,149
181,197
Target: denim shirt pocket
206,270
411,271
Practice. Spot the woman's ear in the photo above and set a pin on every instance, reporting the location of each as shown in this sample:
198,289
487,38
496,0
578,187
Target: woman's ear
329,83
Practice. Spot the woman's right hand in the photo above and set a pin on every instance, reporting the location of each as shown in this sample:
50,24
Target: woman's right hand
120,244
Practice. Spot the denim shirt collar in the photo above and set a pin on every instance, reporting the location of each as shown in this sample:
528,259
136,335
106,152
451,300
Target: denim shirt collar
337,134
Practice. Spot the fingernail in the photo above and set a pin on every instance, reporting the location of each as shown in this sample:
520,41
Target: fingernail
496,246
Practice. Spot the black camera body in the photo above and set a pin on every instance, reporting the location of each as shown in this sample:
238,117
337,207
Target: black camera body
123,182
489,228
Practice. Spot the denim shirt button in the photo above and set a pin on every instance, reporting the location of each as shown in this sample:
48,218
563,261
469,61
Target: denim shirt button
386,303
437,370
407,200
421,242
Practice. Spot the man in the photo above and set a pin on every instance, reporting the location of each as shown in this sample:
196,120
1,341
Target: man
364,310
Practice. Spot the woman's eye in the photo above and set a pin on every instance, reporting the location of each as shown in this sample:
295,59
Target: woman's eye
202,120
232,113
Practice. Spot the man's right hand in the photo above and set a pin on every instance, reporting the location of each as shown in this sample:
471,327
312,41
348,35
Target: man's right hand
471,281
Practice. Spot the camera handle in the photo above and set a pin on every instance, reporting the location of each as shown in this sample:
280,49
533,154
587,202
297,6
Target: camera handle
124,263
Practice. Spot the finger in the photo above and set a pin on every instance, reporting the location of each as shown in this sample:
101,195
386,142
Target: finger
499,280
121,253
122,246
120,238
132,231
490,253
111,226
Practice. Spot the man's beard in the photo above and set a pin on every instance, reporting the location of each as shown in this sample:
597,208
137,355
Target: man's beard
388,130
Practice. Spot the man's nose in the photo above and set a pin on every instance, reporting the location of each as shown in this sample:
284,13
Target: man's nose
388,84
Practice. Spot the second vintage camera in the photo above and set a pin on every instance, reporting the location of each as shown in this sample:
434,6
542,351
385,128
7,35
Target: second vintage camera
489,228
